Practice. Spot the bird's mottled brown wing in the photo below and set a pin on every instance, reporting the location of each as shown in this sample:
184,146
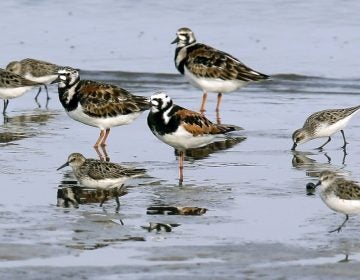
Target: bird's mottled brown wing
99,170
207,62
347,190
104,100
198,124
331,116
38,68
11,80
104,170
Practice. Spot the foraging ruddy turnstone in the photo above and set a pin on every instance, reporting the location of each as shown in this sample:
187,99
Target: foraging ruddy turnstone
35,70
94,173
98,104
324,124
13,85
181,128
210,69
339,194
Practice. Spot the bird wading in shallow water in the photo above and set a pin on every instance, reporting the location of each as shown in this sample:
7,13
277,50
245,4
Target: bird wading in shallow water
324,124
181,128
35,70
13,85
210,69
98,174
98,104
339,194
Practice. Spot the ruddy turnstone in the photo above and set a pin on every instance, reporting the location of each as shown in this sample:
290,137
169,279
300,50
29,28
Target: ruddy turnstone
94,173
12,86
210,69
35,70
339,194
324,124
98,104
181,128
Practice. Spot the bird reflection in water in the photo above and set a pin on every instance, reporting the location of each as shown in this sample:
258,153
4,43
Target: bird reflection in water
23,126
73,196
29,119
205,151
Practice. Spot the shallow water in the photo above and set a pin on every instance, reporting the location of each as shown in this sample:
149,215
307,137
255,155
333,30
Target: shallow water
260,223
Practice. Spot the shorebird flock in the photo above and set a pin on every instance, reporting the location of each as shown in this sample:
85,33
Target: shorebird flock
105,106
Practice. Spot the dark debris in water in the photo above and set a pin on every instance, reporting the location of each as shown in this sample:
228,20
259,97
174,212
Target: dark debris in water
310,188
173,210
160,227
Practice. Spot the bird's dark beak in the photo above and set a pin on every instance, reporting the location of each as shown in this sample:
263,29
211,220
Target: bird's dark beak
317,184
175,41
57,80
64,165
293,147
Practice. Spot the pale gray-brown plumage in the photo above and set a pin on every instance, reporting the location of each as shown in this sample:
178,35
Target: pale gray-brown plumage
13,85
93,173
339,194
35,70
324,124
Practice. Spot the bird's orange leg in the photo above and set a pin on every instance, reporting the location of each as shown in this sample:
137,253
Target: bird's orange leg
181,167
218,119
202,108
99,139
218,102
103,142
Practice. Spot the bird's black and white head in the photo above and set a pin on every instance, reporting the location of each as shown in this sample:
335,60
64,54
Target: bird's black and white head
184,37
160,102
68,76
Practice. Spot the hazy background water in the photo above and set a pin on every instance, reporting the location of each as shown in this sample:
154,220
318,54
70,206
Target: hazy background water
260,222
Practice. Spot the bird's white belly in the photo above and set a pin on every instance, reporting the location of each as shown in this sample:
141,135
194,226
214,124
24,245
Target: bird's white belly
328,130
102,184
48,79
342,205
213,85
183,140
9,93
102,123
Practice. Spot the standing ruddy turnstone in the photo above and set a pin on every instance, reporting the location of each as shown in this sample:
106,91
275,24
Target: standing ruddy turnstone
339,194
97,174
324,124
181,128
98,104
35,70
12,86
210,69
